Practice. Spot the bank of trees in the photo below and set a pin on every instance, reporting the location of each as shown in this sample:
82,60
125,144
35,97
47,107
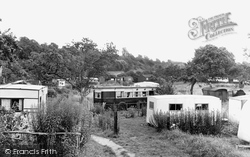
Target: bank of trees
76,62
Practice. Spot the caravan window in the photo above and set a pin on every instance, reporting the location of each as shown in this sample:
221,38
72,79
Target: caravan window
151,105
98,95
201,106
174,107
119,94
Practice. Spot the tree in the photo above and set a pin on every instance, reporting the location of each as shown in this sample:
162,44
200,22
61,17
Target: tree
76,63
209,62
165,87
9,61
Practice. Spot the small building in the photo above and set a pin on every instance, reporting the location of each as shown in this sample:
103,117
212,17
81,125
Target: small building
175,103
114,74
22,97
125,79
244,127
145,77
235,106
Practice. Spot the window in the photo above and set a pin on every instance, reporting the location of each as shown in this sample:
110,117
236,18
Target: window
16,105
174,107
128,94
119,94
144,94
151,105
201,106
136,94
98,95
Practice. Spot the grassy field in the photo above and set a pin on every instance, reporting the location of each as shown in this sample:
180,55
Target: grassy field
137,137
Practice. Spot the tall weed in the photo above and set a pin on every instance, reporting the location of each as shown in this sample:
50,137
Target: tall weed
63,114
194,122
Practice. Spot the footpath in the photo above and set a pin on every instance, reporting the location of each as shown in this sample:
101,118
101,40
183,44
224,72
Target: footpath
118,150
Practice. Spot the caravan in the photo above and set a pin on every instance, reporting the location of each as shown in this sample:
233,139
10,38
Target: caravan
175,103
23,97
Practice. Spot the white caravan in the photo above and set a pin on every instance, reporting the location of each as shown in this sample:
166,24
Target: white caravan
22,97
235,106
244,127
175,103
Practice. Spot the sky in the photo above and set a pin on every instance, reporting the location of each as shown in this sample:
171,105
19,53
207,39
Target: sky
153,28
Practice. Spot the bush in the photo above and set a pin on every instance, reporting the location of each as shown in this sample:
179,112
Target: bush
131,112
199,145
98,108
9,121
194,122
63,115
166,88
52,93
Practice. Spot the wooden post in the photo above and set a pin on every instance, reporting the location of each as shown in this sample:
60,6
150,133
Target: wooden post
115,119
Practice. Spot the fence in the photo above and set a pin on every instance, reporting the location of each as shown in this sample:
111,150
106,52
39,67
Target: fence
23,133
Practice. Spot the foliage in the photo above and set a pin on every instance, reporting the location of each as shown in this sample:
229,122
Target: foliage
131,112
12,70
194,122
166,88
63,115
209,62
52,93
9,121
199,145
98,109
106,121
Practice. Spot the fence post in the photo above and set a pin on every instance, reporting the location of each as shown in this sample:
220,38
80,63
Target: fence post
115,119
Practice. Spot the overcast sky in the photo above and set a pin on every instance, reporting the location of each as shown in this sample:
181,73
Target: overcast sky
153,28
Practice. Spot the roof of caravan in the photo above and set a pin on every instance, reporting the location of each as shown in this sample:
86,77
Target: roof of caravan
183,96
242,97
120,87
21,87
146,84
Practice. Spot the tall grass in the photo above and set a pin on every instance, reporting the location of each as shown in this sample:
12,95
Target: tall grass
194,122
63,114
201,146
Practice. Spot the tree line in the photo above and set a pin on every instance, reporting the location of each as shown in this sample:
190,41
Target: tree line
76,62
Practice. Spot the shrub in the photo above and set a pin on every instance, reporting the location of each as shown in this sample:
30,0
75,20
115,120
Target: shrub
63,114
131,112
9,121
194,122
105,121
52,93
166,88
98,108
199,145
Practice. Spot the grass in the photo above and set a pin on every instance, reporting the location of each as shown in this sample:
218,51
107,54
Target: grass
137,137
207,146
93,149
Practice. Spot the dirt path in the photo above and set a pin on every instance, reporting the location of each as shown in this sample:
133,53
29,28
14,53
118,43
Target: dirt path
118,150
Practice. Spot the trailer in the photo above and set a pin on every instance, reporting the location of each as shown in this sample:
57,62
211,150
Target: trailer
23,97
122,95
175,103
235,106
244,127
